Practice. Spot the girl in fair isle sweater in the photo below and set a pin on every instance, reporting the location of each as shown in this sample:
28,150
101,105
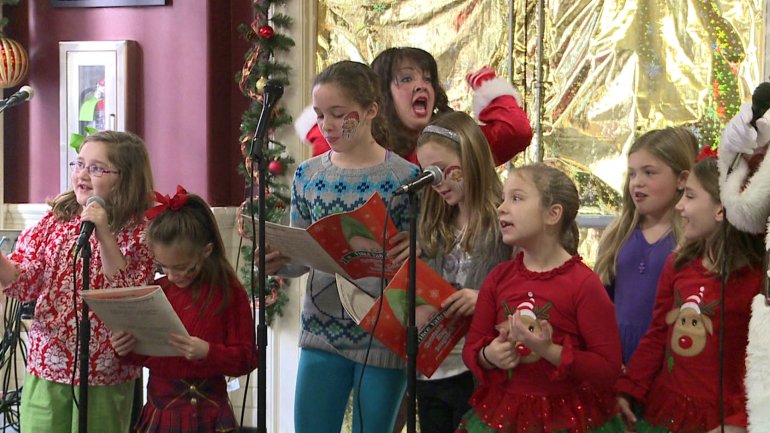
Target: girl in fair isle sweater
346,101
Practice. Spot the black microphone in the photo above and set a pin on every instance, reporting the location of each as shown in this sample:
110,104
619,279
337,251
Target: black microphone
270,95
760,103
87,227
22,95
431,175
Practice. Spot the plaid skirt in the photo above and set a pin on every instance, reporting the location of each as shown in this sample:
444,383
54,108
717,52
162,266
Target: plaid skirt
186,406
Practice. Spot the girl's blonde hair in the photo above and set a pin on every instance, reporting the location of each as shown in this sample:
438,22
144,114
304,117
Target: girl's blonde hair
674,146
556,188
737,247
359,83
132,193
194,224
482,188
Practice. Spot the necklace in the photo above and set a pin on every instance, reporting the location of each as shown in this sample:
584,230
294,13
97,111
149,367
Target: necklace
646,257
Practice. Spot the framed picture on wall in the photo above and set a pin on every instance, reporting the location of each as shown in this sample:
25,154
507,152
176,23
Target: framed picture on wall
95,93
104,3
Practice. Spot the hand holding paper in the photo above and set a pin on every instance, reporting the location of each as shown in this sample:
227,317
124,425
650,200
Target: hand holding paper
437,332
142,312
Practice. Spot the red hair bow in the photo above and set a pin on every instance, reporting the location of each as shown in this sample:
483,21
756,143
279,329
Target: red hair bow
706,152
174,203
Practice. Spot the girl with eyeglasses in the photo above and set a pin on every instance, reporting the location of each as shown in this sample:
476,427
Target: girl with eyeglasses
188,393
114,166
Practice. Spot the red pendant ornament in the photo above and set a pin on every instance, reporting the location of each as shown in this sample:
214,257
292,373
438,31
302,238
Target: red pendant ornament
14,62
275,167
266,32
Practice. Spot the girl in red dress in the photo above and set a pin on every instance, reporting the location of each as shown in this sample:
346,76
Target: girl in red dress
543,343
188,393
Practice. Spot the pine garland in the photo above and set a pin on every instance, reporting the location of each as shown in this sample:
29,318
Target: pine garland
260,64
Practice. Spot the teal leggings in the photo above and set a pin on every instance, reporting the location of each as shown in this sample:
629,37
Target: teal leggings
324,382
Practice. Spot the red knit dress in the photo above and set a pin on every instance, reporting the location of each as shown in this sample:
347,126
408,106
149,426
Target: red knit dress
537,396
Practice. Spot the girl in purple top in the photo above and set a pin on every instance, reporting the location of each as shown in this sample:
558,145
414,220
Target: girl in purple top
634,247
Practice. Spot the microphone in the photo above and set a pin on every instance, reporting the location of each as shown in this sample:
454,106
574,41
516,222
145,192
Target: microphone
270,95
87,227
760,103
432,175
22,95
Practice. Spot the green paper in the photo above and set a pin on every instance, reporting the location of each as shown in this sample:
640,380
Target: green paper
87,109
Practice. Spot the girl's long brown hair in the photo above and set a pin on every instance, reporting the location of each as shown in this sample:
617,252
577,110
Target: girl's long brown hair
359,83
737,247
385,65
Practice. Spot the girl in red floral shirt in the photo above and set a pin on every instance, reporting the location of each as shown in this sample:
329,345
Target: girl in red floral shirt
113,166
188,393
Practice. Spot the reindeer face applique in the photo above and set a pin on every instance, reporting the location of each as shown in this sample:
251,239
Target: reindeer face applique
530,316
691,324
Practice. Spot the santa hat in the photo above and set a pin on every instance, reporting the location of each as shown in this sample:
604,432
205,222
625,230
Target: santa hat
694,301
527,308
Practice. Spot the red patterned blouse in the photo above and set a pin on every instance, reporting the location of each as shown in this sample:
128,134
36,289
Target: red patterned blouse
44,257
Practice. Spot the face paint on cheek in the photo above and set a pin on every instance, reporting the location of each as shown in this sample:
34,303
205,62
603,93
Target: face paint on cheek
453,173
350,124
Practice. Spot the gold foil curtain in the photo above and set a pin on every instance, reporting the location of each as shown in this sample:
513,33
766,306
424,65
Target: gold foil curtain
612,68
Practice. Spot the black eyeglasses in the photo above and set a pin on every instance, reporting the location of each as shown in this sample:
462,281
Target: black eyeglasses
93,169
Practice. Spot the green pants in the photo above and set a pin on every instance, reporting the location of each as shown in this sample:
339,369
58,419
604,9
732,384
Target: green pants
49,407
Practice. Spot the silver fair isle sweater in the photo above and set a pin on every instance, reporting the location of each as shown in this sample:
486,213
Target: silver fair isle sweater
320,189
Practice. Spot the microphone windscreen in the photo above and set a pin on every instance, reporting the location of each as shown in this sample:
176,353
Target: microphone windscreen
274,87
436,172
96,199
29,90
760,102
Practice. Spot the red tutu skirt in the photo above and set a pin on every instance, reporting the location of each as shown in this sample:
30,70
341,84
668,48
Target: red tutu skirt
186,406
583,410
673,411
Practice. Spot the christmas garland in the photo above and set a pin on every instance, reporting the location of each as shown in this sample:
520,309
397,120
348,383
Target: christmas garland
260,63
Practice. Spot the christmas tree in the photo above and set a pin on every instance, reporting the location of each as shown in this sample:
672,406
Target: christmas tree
264,34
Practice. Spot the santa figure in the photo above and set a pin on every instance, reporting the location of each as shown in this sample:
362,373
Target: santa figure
745,194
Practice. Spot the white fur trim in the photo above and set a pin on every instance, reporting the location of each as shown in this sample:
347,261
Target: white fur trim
690,305
746,208
491,89
305,122
758,367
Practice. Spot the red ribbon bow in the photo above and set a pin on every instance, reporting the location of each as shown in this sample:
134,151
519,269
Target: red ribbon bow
706,152
174,203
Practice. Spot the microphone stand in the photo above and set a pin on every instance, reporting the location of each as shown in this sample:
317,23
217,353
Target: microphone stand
85,340
411,328
258,155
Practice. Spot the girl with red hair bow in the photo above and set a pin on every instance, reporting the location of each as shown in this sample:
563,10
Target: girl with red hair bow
188,393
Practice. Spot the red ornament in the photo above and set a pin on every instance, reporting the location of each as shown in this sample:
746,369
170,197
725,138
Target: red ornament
266,32
523,350
275,167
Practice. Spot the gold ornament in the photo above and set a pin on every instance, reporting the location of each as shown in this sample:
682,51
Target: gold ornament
14,62
261,84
